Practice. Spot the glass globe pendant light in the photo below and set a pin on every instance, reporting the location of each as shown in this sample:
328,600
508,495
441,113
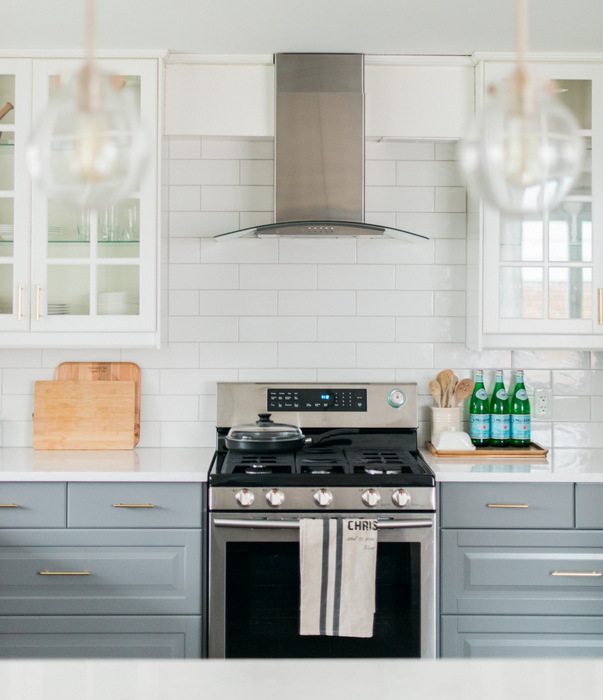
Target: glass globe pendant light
88,147
522,154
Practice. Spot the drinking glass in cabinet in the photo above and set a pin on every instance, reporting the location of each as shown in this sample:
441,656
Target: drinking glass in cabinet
68,231
6,227
121,239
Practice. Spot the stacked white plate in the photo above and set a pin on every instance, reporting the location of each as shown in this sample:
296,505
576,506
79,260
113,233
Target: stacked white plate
6,232
58,309
118,303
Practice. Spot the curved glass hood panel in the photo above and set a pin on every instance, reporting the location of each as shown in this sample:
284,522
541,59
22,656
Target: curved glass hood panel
321,229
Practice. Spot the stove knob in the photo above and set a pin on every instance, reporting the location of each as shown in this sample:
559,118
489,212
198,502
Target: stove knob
401,498
275,497
371,498
323,498
244,497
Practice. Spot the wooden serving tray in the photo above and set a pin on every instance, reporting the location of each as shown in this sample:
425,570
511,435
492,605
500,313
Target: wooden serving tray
104,371
533,451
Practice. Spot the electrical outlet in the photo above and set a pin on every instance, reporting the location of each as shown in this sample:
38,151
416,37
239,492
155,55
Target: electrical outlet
543,403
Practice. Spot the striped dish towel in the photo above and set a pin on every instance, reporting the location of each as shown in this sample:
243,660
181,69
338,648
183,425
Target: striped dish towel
338,559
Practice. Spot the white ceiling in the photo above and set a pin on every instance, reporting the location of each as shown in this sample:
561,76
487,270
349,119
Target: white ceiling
271,26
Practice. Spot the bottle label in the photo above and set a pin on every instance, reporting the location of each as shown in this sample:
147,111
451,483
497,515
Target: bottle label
481,394
502,395
479,426
520,427
522,394
500,426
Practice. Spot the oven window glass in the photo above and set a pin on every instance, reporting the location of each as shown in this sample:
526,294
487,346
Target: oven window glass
262,605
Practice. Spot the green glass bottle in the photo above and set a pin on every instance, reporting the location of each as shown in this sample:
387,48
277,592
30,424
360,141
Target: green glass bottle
479,412
520,413
500,419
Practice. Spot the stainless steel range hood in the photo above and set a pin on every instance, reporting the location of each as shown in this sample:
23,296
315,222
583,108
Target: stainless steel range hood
319,150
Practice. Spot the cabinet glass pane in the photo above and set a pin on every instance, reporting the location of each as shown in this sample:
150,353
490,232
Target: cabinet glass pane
6,228
68,289
68,231
521,292
131,85
6,289
576,95
522,240
118,232
570,233
7,99
118,290
7,160
570,292
583,185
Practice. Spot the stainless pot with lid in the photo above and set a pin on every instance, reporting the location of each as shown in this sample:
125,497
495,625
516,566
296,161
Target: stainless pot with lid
267,436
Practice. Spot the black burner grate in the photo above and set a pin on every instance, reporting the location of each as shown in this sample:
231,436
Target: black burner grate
379,462
242,463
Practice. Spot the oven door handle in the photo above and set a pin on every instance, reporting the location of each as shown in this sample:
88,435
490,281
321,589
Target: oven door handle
294,524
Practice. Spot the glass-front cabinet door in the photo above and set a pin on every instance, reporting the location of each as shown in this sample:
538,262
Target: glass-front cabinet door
96,270
543,275
15,113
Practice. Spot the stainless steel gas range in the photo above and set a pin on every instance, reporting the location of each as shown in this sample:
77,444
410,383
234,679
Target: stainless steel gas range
292,451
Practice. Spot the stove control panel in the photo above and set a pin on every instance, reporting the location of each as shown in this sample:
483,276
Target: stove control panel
316,400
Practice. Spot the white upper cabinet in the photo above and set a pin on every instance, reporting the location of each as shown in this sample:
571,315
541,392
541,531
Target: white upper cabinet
537,281
74,278
219,100
417,101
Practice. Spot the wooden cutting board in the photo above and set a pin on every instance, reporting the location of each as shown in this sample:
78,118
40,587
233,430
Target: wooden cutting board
81,415
104,371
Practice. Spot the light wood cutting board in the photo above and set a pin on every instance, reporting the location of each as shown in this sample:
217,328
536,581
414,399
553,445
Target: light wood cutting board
104,371
74,415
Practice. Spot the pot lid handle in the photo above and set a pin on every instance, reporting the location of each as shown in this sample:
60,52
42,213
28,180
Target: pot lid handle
264,419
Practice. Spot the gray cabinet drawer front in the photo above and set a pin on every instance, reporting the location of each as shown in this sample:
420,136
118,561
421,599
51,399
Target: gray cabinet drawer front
484,637
479,505
32,505
589,506
86,637
133,572
134,505
502,572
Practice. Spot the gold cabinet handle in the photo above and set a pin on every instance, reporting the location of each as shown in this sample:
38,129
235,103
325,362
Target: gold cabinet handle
38,296
134,505
507,505
578,574
600,300
9,505
19,302
45,572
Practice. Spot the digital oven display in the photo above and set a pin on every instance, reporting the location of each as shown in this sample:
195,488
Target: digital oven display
316,400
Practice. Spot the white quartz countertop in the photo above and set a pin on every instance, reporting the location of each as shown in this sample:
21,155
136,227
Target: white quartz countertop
141,464
531,679
561,465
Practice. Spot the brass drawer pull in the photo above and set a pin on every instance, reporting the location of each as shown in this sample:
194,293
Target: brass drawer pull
9,505
134,505
507,505
45,572
579,574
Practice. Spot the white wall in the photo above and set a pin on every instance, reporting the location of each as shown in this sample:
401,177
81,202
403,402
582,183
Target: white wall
308,310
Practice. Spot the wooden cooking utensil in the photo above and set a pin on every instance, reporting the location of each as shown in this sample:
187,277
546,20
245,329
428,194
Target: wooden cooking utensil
436,392
444,378
5,109
463,389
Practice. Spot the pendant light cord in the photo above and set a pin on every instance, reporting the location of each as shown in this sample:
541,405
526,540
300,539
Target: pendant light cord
90,88
523,93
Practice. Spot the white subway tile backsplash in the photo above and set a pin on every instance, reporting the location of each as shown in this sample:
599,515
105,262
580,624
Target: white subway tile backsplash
396,199
380,172
238,355
17,408
202,223
316,303
241,149
184,250
202,172
450,199
236,198
448,277
193,381
393,303
249,219
316,354
312,250
188,434
388,250
449,303
578,382
436,329
53,357
258,328
357,329
21,358
446,151
185,198
356,375
257,172
150,434
240,250
450,251
278,276
173,354
399,150
394,355
17,434
203,328
569,409
184,303
202,276
21,381
355,276
457,355
277,375
189,148
428,173
556,359
171,408
237,302
433,225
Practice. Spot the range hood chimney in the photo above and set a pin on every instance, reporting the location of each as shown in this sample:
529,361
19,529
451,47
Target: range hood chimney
319,150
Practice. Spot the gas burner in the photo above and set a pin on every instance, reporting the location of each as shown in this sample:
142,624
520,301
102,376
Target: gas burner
258,468
382,469
315,468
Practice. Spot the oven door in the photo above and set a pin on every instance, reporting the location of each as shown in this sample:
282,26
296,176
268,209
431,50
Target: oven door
254,589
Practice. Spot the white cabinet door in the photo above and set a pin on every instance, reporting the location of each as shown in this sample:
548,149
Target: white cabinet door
538,276
81,278
15,97
418,101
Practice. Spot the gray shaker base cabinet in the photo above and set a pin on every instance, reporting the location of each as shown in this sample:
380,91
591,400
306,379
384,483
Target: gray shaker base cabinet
106,637
493,636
